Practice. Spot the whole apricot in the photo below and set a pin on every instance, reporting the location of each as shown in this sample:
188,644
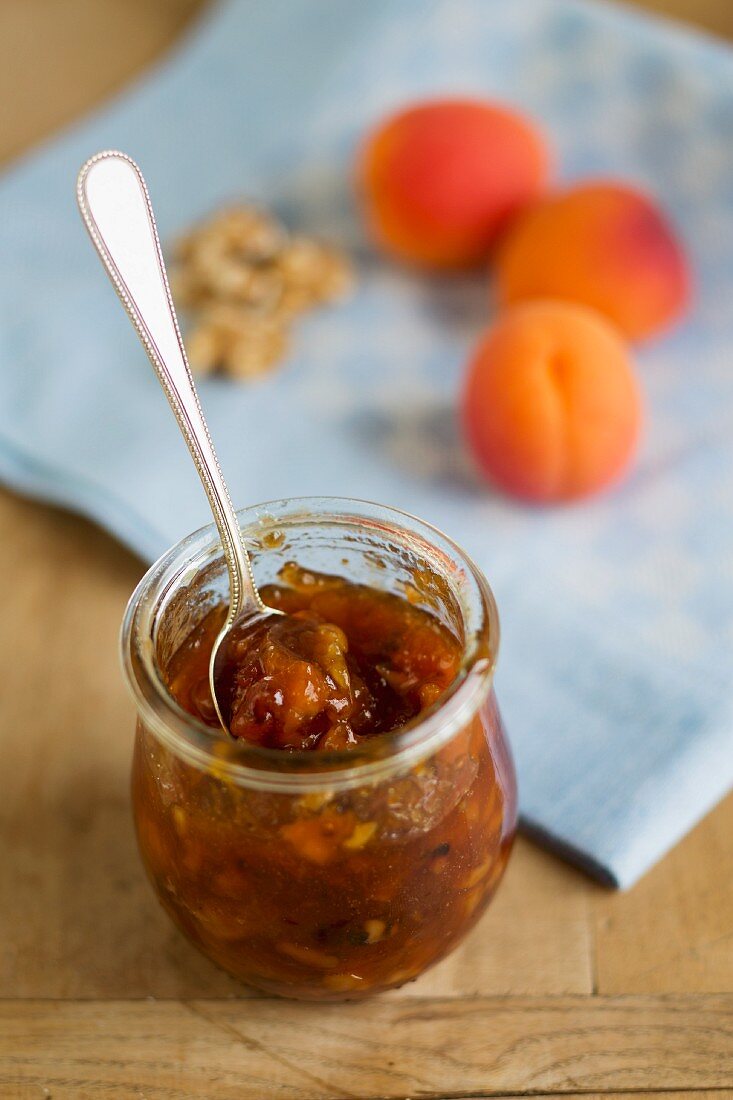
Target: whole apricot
440,179
551,408
604,244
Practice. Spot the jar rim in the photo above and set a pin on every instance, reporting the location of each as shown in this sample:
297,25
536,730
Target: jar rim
246,764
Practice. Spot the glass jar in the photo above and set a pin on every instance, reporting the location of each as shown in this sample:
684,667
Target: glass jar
318,875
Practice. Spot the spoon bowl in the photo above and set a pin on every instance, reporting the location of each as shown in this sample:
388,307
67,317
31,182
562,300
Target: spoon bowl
219,653
117,212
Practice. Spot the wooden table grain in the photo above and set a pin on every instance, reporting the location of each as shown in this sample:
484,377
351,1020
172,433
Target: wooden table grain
565,988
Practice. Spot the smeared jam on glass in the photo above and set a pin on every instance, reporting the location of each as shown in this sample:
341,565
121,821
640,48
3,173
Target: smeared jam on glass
346,662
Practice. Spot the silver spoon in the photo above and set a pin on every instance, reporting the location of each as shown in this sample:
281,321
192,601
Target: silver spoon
115,205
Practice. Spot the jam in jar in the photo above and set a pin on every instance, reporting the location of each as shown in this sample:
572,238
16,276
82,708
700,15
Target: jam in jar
359,820
345,662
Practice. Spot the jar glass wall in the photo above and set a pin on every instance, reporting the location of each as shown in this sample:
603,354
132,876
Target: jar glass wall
310,874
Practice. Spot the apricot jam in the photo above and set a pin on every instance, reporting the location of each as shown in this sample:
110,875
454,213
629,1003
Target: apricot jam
360,821
346,662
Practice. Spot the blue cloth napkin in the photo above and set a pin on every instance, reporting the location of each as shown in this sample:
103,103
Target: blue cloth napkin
617,613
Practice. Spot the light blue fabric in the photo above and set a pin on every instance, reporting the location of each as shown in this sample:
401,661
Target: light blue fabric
617,613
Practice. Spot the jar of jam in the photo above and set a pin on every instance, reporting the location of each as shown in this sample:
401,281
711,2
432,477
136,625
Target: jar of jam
337,873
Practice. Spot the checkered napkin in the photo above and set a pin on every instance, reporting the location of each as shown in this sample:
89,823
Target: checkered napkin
615,670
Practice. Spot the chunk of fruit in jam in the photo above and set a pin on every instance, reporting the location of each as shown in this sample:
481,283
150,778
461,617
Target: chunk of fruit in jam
344,663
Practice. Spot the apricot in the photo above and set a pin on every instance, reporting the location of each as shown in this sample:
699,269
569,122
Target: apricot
440,179
551,408
604,244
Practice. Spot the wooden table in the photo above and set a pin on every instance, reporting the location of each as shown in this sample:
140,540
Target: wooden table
564,988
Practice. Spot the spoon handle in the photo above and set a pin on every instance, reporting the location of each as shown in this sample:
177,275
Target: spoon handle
117,212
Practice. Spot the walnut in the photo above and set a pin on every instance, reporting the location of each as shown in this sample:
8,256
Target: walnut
228,340
243,279
312,274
